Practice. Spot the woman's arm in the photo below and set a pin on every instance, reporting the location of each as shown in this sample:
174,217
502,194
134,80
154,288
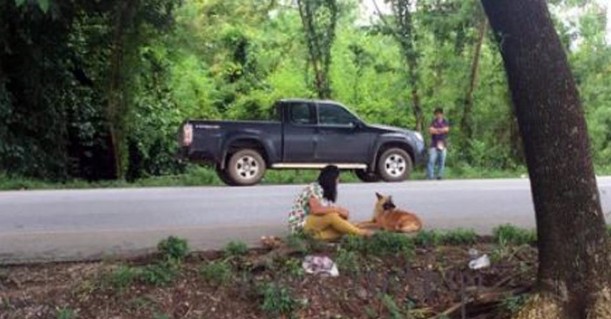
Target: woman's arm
317,208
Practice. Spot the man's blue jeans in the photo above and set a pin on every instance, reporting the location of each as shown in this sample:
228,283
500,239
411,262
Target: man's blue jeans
436,157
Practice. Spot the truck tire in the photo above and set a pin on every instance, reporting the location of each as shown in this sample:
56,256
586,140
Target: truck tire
395,165
224,177
245,167
367,177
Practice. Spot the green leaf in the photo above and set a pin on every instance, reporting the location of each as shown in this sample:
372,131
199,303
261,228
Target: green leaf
19,3
44,5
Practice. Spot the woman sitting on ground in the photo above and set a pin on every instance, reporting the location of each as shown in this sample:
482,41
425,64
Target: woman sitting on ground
315,212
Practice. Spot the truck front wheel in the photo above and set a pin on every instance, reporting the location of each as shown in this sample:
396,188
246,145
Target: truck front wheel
245,167
367,177
394,165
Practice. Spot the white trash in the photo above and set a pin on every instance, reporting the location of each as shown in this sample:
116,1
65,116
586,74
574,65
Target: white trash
322,265
479,263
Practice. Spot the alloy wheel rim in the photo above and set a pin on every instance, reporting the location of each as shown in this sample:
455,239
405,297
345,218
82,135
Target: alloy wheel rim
247,167
395,165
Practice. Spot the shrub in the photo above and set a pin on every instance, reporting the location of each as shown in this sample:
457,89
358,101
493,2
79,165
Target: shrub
158,274
235,248
216,272
121,277
173,248
278,300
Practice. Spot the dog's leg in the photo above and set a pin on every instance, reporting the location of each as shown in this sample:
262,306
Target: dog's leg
368,224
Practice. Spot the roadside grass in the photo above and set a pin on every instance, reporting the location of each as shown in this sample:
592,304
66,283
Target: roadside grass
206,176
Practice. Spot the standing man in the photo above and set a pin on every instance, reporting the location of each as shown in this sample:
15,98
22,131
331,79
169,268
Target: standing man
439,129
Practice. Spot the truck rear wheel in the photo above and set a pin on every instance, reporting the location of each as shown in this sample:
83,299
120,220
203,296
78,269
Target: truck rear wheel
224,177
367,177
245,167
394,165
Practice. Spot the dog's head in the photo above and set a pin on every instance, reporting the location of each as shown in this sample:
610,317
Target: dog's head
384,203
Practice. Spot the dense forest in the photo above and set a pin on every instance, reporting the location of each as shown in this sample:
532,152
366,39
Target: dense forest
97,89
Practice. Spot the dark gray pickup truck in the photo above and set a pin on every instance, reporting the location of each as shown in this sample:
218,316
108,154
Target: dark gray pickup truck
308,134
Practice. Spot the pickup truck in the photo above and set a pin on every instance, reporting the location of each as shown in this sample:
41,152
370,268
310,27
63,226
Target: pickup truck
307,134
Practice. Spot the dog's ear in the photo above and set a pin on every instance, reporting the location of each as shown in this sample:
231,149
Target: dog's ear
379,196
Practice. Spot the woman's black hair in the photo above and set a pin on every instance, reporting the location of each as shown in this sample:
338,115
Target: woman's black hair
327,179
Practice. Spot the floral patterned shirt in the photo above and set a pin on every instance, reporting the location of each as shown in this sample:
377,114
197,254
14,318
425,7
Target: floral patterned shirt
301,206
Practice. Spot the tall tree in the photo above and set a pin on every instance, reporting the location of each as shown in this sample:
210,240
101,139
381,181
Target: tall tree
574,277
404,31
319,19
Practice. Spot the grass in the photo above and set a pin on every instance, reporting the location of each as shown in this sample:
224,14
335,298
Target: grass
200,176
509,234
380,244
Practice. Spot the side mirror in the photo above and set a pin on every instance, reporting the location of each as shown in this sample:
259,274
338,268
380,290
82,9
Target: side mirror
356,124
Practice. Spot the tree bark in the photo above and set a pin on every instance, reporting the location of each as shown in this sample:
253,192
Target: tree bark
574,274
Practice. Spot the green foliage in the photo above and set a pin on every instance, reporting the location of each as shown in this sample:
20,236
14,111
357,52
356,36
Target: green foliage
158,274
513,304
347,261
459,237
217,272
429,238
235,249
293,267
380,244
120,278
510,234
391,306
117,78
278,300
65,313
173,248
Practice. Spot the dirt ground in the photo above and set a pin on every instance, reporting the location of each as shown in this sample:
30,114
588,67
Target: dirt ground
420,282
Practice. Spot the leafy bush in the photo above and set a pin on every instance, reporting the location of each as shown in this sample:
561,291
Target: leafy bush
236,248
509,234
173,248
121,277
158,274
217,272
278,300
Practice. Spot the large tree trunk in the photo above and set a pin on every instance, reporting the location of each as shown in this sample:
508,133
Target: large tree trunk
574,262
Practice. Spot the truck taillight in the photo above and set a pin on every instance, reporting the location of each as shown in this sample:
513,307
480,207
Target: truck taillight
187,134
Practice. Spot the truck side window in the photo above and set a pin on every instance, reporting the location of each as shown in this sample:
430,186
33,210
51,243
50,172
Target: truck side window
330,114
300,114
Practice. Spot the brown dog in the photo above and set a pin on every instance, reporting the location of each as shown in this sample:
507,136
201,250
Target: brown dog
387,216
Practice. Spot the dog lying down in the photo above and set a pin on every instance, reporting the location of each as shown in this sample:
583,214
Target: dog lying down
387,216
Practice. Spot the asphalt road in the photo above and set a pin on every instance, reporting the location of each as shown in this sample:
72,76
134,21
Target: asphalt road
97,223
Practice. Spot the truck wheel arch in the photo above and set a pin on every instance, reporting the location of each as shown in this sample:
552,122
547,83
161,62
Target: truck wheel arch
243,142
383,146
